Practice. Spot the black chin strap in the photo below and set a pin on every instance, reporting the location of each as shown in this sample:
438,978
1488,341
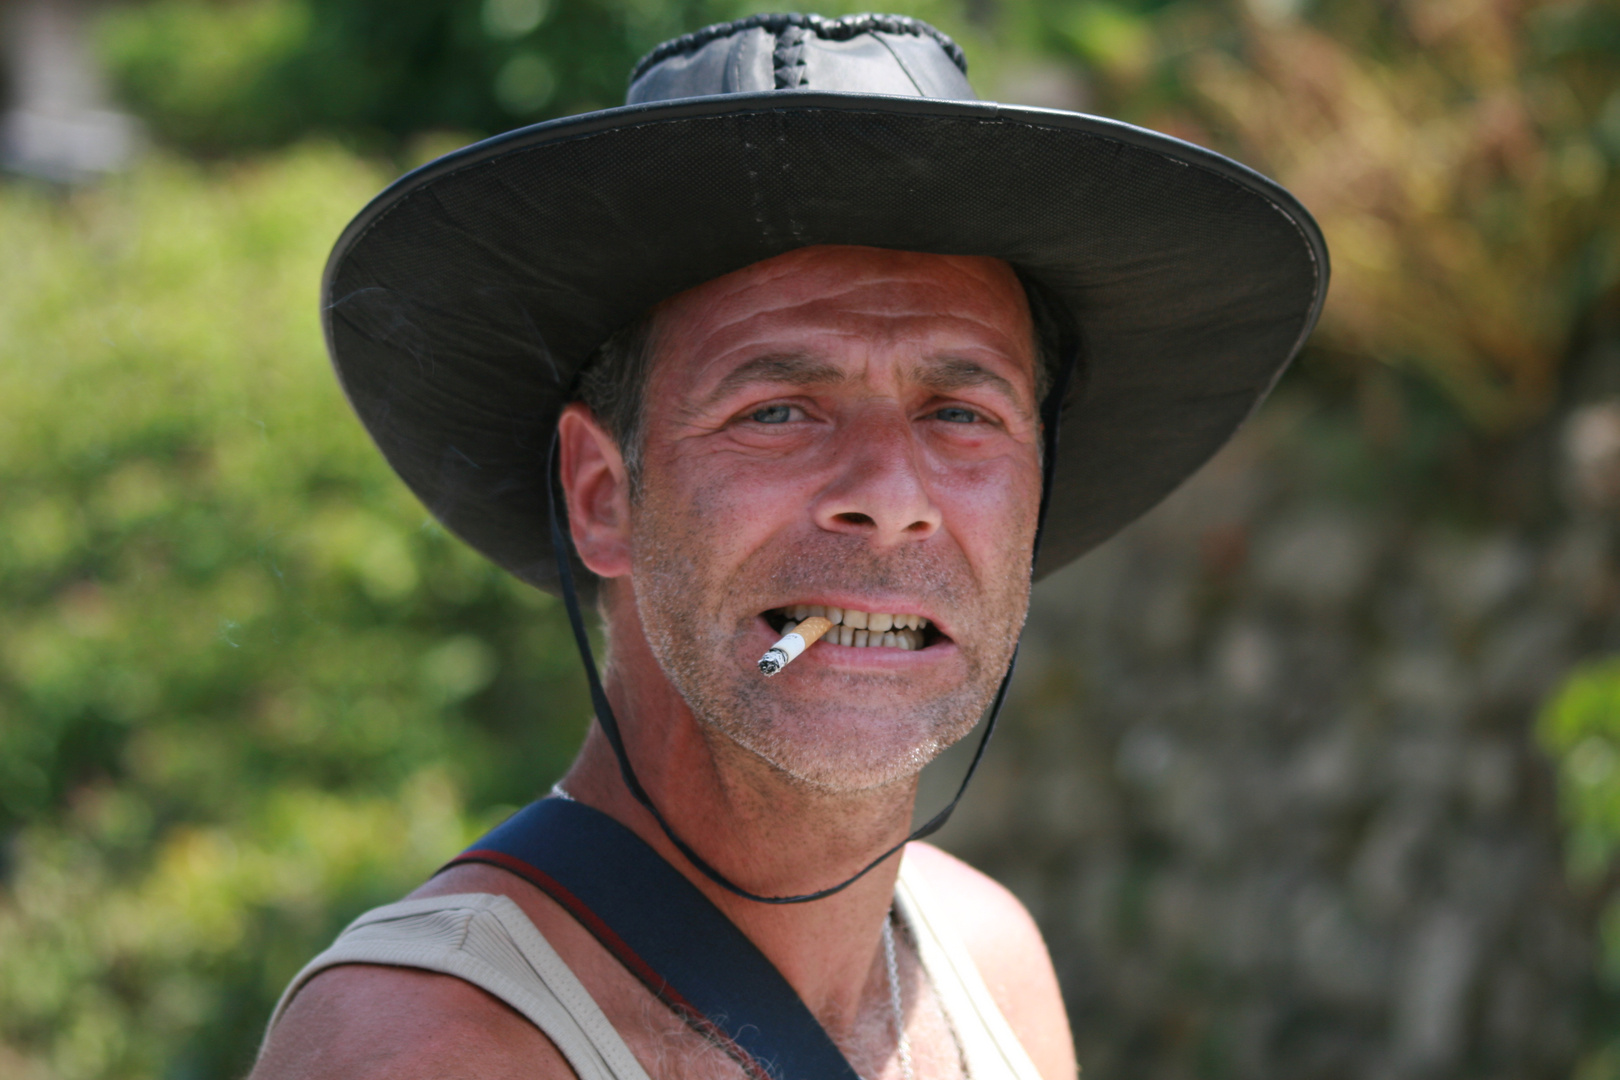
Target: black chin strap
563,548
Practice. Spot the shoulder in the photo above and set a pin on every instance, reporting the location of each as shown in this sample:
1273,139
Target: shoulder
365,1021
361,1021
1007,948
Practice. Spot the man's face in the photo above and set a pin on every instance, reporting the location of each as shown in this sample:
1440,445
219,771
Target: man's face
851,428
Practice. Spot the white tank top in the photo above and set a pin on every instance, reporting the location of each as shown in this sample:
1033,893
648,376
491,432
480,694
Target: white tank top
486,940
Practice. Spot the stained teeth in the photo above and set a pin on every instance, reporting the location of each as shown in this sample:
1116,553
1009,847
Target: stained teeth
862,629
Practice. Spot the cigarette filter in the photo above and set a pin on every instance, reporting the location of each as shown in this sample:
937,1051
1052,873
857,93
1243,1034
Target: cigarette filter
794,642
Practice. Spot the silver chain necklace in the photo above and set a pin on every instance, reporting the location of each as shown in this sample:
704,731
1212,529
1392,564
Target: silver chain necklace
901,1040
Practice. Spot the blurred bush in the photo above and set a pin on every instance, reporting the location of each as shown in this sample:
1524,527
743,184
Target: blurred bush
1580,729
247,73
247,687
224,75
1458,154
1459,157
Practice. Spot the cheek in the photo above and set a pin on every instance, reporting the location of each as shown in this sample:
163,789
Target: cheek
992,507
1005,479
722,504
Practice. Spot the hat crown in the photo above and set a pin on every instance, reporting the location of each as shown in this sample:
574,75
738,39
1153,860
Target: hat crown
860,54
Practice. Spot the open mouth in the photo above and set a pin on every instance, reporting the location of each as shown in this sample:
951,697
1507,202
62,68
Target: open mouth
861,629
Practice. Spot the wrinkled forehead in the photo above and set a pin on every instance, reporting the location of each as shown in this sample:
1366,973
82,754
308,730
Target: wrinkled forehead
880,296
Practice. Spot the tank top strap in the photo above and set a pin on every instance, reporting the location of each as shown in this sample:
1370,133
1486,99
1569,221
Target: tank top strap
990,1049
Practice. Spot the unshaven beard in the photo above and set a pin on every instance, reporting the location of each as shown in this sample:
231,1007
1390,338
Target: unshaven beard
680,601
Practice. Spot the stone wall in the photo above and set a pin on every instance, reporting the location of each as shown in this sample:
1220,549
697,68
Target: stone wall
1268,779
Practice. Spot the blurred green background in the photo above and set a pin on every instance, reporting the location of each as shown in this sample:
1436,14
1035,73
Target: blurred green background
248,688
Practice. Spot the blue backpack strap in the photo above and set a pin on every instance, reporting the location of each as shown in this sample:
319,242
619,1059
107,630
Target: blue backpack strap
662,928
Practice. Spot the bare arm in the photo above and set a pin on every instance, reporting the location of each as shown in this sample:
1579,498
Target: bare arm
361,1021
1006,947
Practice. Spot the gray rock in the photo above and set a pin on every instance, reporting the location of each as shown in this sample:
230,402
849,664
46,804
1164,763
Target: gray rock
1340,960
1246,662
1383,874
1523,659
1592,456
1441,958
1474,576
1323,560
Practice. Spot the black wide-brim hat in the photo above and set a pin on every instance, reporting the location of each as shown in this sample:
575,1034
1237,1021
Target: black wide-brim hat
461,303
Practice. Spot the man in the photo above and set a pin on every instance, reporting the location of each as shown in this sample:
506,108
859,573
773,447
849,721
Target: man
830,337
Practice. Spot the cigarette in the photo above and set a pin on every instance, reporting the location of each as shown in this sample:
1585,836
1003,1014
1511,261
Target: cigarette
794,642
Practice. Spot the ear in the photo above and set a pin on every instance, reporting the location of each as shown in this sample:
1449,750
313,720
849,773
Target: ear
597,490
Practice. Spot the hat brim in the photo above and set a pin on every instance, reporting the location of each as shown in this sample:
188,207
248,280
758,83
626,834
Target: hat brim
460,304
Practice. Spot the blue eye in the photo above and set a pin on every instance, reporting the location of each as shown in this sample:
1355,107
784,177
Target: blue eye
956,416
772,414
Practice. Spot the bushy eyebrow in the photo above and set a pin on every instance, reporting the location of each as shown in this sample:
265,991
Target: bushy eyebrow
946,374
942,375
796,369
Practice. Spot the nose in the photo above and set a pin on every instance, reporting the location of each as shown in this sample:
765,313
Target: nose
879,490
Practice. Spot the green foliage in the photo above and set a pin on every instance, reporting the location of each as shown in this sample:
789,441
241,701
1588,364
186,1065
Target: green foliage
247,687
1459,158
224,76
1581,727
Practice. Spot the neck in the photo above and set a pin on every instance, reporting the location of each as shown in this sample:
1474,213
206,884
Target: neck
767,832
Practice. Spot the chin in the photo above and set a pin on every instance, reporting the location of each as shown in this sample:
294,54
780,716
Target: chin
846,750
825,729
